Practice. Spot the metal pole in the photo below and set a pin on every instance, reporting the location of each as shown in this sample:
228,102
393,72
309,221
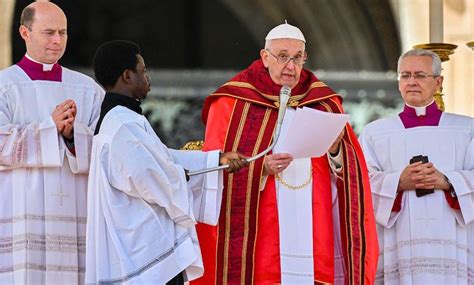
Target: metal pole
285,93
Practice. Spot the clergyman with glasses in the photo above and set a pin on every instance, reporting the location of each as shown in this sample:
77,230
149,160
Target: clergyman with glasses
283,219
421,166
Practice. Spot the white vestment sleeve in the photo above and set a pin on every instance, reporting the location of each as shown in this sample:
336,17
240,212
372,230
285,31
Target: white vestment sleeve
206,188
95,114
142,167
83,135
32,145
79,162
463,184
383,185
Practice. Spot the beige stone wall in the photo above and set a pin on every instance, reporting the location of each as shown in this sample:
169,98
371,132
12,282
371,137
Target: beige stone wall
459,71
6,8
413,20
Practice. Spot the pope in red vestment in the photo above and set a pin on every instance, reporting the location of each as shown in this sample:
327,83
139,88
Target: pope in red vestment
244,248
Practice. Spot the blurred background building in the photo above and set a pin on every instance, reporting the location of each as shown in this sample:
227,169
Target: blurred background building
193,46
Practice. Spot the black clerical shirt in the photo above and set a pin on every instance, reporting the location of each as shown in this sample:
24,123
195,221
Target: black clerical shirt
112,100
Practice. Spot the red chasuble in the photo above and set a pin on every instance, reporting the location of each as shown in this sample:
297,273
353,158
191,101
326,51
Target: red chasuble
244,248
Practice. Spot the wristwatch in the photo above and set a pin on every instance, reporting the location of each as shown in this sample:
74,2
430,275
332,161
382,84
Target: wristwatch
451,188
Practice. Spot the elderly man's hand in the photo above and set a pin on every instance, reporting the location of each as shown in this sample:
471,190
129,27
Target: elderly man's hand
276,163
235,160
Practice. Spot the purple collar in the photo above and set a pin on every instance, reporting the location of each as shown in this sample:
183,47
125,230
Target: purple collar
35,71
411,120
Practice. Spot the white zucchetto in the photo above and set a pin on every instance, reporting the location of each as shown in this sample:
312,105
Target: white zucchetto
285,31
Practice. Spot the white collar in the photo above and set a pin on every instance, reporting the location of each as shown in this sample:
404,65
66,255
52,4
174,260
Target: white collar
46,66
420,111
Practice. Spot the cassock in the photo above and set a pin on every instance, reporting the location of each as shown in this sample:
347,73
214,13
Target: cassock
280,229
423,240
141,210
42,183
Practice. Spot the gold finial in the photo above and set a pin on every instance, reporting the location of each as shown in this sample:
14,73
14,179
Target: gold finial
471,45
439,99
193,145
442,50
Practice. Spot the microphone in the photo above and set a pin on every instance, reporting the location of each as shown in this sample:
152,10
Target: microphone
285,93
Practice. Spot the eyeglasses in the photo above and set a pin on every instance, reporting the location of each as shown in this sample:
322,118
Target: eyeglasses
298,59
419,76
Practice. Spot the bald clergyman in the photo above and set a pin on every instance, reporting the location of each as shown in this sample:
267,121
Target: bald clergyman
47,119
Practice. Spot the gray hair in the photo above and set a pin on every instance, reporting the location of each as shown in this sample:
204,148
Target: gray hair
27,17
435,60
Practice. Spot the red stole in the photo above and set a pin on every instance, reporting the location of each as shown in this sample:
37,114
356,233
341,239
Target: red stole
247,248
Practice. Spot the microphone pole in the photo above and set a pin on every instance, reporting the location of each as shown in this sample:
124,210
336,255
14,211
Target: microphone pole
285,93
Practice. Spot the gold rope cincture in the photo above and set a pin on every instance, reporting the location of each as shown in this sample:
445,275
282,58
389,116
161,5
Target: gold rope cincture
297,187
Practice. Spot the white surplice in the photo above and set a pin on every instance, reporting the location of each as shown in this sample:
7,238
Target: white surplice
42,184
427,242
141,210
295,217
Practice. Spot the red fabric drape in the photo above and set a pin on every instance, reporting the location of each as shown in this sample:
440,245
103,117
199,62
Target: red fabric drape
244,248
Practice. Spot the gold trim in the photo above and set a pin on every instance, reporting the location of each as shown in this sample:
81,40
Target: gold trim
229,193
240,129
350,217
246,99
293,101
357,170
318,99
338,105
322,282
361,260
227,230
229,123
247,200
229,184
246,226
326,105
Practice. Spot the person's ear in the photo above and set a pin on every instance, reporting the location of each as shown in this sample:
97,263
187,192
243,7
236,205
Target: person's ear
439,82
264,57
126,76
24,32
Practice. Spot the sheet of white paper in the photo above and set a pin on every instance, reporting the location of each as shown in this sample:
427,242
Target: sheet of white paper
312,132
